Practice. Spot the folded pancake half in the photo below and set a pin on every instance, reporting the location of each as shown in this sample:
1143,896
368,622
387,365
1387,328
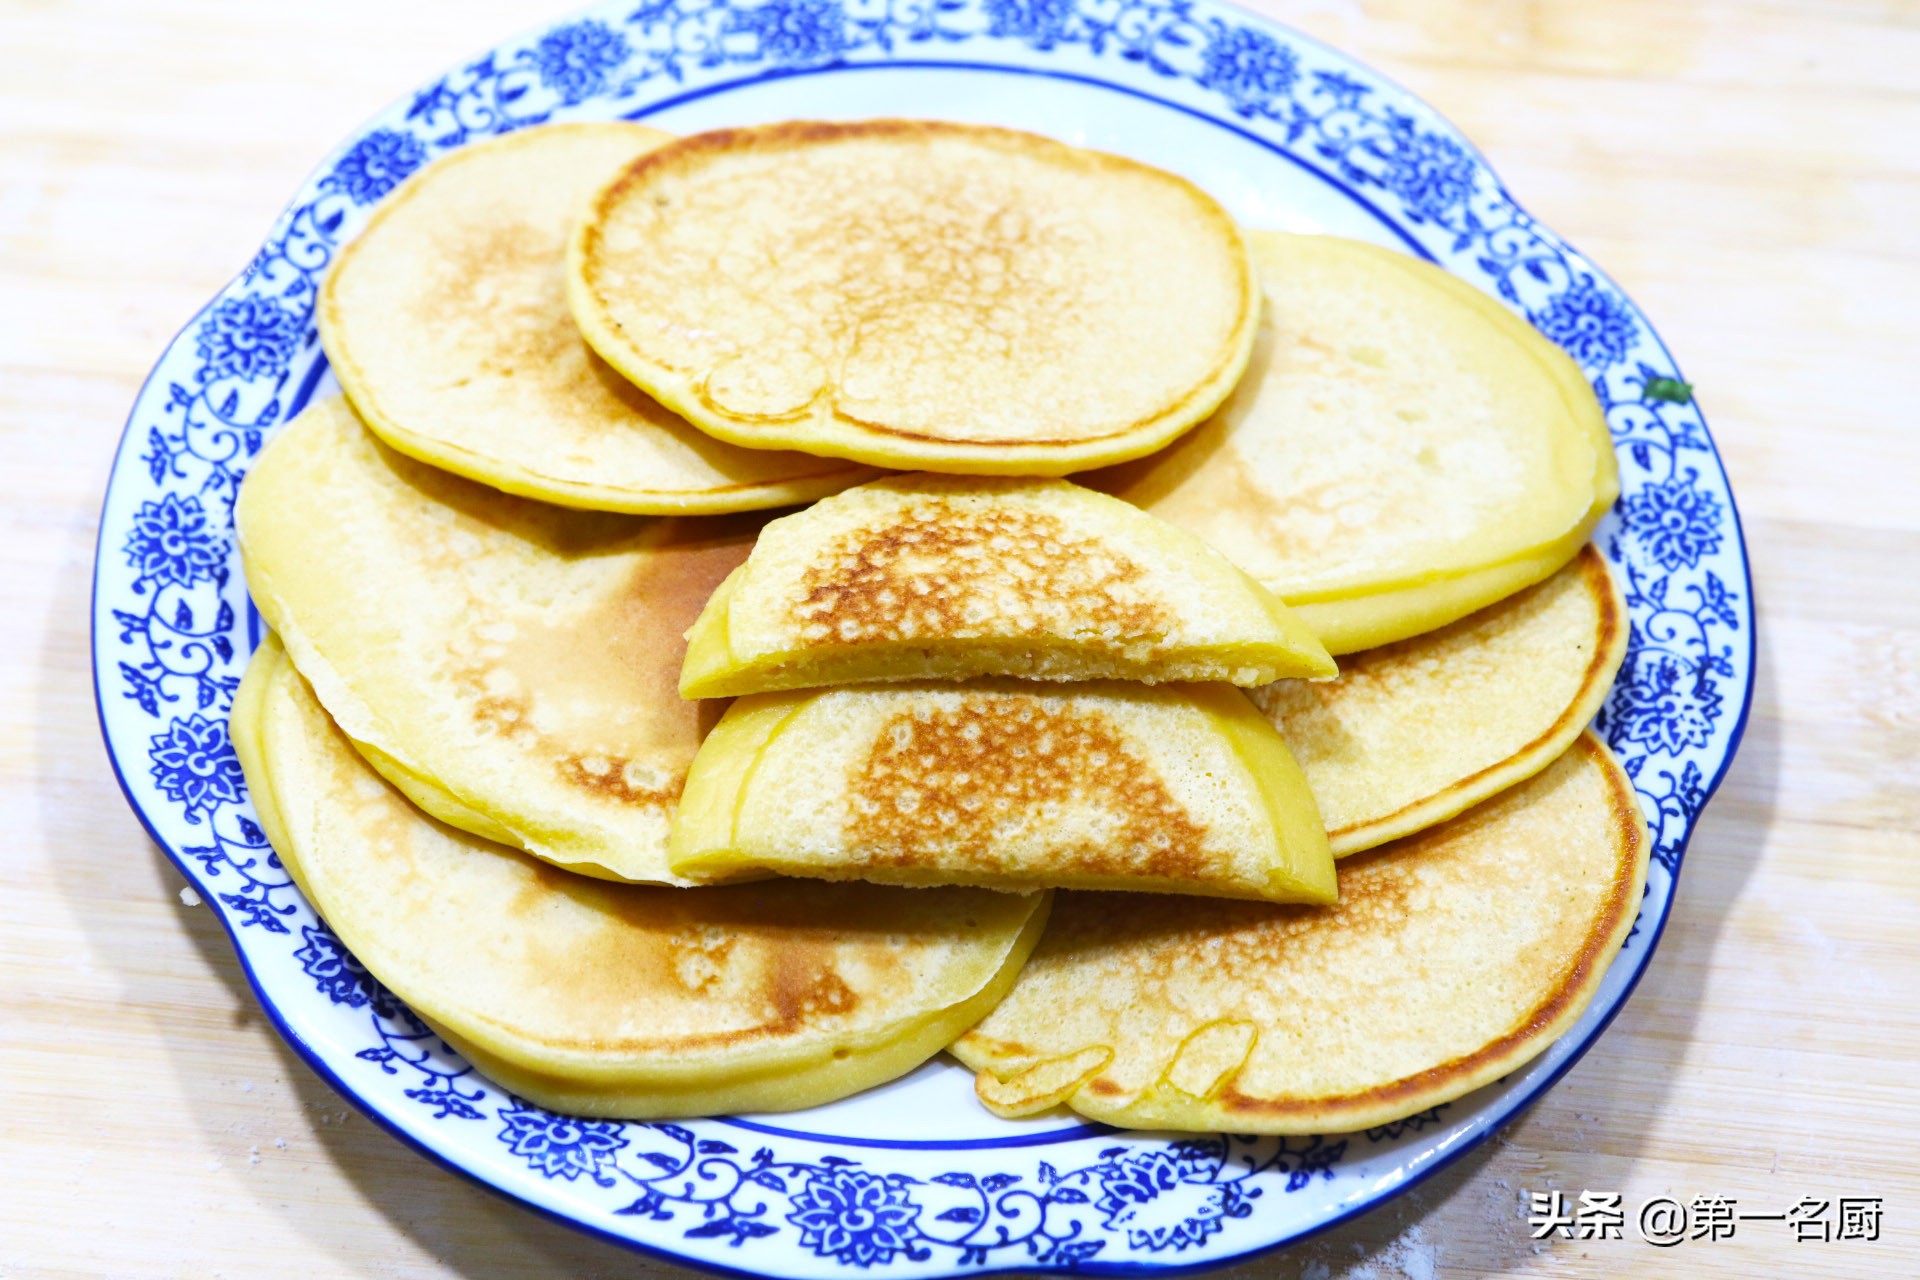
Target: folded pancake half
1414,732
510,665
446,321
948,577
1402,450
619,1000
915,294
1453,958
1175,788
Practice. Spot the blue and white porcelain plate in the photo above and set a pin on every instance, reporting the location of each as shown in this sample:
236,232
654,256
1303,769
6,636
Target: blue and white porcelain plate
914,1179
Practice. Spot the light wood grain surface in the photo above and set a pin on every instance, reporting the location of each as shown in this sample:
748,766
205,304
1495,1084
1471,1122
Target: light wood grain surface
1748,169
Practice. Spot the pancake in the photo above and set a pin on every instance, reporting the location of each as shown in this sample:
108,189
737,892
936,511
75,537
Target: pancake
446,321
949,577
618,1000
1414,732
1175,788
1453,958
510,665
1396,428
922,295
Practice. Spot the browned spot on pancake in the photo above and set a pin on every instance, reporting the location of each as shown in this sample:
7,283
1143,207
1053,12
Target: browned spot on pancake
732,967
505,716
646,622
609,777
947,782
941,571
645,627
810,989
764,965
700,955
501,291
623,653
481,289
803,983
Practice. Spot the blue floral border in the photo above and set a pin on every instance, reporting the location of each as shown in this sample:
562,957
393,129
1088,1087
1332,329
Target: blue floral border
173,627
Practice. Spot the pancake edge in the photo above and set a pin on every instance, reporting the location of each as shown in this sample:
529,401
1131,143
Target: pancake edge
1400,613
720,500
794,1084
1546,747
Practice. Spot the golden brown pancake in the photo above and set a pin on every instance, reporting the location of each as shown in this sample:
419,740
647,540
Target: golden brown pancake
1453,958
915,294
1414,732
1007,785
446,321
1396,429
947,577
618,1000
512,666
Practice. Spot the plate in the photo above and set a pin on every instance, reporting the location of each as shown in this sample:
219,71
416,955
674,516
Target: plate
914,1179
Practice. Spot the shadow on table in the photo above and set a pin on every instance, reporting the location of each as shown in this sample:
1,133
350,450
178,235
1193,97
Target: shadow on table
1470,1216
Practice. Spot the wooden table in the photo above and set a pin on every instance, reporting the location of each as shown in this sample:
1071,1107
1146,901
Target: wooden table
1748,169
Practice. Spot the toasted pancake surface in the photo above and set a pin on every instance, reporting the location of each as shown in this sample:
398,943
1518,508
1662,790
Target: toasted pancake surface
1179,788
1453,957
949,577
1414,732
1395,427
619,999
917,294
446,321
511,665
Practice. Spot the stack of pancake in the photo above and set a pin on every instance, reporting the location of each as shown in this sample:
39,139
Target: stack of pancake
1050,773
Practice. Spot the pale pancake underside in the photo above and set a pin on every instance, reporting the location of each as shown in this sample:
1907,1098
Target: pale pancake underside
446,322
917,294
1414,732
1453,957
512,665
1008,785
948,577
1395,427
611,999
